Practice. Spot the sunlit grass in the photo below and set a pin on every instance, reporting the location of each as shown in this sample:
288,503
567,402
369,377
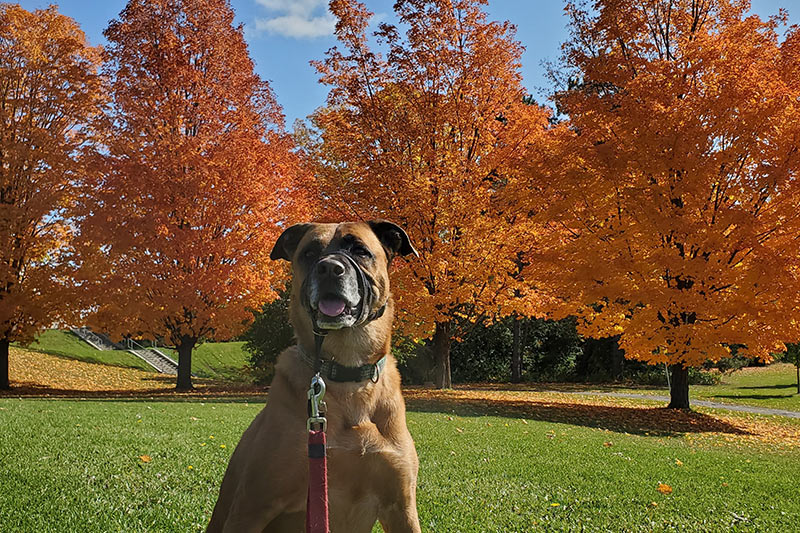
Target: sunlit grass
77,466
216,360
65,344
772,386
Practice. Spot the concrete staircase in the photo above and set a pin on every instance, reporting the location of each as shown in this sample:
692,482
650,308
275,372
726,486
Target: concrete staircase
95,340
152,356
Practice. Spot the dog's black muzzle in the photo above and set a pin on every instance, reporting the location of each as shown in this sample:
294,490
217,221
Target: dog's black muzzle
331,272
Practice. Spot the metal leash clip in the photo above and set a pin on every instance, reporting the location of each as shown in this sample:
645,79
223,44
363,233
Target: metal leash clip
316,405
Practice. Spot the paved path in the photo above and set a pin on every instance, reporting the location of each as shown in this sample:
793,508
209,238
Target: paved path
703,403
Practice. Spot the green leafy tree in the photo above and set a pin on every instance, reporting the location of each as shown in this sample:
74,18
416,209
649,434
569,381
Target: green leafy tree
268,335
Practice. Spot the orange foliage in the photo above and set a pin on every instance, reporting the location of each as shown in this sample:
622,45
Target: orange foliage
49,91
195,178
427,136
674,214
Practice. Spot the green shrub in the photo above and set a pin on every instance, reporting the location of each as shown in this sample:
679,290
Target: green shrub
267,337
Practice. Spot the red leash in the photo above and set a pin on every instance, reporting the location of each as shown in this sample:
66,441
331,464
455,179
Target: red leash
317,503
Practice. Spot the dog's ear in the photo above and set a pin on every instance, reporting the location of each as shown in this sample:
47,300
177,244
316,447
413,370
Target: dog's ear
287,243
393,237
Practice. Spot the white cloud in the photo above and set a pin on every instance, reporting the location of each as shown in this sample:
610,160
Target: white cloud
301,19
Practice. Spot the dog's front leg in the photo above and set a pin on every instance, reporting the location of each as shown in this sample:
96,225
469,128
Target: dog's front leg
400,517
255,510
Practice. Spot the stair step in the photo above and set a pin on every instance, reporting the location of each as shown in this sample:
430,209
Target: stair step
157,360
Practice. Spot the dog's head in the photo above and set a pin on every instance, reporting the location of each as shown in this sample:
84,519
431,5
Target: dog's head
340,271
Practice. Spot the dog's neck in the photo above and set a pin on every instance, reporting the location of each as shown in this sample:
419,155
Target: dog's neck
352,346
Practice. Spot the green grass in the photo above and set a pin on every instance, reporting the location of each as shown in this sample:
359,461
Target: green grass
774,386
216,360
75,466
65,344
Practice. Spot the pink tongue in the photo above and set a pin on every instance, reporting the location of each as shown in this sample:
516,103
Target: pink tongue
331,306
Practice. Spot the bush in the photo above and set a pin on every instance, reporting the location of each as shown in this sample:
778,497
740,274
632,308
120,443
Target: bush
414,360
655,375
548,348
267,337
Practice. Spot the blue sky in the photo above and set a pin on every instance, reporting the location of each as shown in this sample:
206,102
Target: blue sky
284,35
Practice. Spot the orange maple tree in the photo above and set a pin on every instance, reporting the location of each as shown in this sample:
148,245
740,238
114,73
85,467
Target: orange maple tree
673,210
49,91
195,180
426,136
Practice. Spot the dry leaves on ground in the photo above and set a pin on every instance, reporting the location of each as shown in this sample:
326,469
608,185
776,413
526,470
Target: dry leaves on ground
39,374
624,415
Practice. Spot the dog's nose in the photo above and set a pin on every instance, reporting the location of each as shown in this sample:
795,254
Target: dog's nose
330,267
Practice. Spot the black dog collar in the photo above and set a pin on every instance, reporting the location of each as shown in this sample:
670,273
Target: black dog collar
346,374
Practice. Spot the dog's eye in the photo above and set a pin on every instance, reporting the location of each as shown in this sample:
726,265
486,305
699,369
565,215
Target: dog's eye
310,253
361,251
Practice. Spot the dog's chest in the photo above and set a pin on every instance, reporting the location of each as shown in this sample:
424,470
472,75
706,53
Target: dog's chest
353,427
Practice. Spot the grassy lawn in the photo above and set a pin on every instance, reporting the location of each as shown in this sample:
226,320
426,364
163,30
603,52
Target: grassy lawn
65,344
216,360
486,465
774,386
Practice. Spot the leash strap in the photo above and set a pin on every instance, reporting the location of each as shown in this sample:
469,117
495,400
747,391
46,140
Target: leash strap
317,503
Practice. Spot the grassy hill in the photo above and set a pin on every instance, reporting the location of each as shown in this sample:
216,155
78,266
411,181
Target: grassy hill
66,344
217,360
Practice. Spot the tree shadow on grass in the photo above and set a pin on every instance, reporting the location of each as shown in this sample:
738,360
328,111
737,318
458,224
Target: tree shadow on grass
753,396
161,389
652,421
786,386
565,387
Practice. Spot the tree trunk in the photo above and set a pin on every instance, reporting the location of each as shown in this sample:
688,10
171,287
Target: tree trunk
185,363
679,391
797,368
4,382
516,352
441,355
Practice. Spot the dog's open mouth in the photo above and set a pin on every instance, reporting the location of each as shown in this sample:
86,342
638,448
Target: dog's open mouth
333,312
331,306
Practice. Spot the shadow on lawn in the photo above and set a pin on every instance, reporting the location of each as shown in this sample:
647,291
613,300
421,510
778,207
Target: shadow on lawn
753,396
653,421
162,390
779,386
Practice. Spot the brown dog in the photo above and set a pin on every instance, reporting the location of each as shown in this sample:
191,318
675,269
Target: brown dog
340,287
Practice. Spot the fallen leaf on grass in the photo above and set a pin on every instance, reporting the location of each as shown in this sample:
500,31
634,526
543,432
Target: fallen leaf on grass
663,488
678,462
145,458
608,444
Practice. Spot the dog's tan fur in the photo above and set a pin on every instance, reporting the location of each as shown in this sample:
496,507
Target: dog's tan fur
372,463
